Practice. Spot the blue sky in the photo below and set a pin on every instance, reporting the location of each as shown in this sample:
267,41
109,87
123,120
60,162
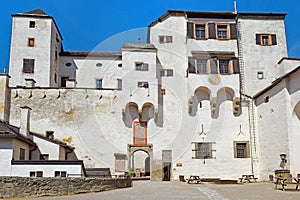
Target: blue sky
86,24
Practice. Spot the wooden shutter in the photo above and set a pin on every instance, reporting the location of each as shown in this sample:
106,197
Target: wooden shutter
212,30
258,39
233,31
192,68
190,30
213,66
145,67
236,67
274,39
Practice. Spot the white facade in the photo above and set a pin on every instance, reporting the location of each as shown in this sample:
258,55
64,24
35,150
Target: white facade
189,87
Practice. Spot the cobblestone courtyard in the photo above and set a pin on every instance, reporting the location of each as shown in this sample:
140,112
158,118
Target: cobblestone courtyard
177,190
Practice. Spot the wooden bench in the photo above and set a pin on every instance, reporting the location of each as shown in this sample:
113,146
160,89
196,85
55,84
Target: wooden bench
247,177
287,181
194,179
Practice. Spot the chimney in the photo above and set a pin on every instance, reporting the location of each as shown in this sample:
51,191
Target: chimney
25,121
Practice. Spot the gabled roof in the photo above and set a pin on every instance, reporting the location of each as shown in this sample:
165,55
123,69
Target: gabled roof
36,12
9,131
54,141
216,15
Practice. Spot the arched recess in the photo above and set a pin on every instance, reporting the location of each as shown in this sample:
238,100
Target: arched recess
200,94
130,114
223,94
131,149
147,112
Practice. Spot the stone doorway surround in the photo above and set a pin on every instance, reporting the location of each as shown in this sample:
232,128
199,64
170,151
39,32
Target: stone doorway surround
131,149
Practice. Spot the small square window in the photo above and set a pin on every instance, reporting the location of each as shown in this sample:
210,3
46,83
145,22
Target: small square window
141,66
260,75
163,91
31,42
169,72
39,174
143,84
241,150
203,150
264,40
32,24
32,174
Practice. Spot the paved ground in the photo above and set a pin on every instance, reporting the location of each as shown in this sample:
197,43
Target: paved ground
146,190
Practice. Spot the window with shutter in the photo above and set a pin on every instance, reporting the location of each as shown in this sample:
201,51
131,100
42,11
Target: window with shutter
212,30
266,39
190,30
201,66
213,66
200,31
28,65
224,66
222,31
192,68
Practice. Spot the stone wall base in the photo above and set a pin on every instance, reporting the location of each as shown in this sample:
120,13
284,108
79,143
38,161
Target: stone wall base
34,187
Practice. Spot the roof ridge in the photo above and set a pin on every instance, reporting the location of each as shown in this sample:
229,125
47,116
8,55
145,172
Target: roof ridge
36,12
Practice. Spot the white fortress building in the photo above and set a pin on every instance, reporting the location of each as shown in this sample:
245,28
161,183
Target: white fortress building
212,94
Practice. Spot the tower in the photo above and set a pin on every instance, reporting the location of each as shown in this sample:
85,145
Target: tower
34,52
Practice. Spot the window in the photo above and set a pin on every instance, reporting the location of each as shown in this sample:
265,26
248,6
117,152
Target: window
68,64
28,65
99,83
44,157
120,65
143,84
266,39
32,24
165,39
260,75
224,66
60,174
200,31
241,150
140,133
141,67
22,154
119,81
50,135
202,66
63,81
31,42
166,72
203,150
99,64
39,174
120,162
222,31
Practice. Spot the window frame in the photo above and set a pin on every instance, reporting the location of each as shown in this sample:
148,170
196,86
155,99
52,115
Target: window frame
165,39
246,150
269,39
227,31
28,65
205,25
228,66
22,154
206,66
32,24
197,152
120,159
61,174
99,86
143,84
31,42
143,67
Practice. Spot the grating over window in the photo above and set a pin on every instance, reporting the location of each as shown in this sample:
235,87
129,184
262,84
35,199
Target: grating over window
203,150
28,65
241,150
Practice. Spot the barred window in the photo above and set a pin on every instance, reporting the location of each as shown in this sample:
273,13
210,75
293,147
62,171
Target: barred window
241,150
203,150
28,65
